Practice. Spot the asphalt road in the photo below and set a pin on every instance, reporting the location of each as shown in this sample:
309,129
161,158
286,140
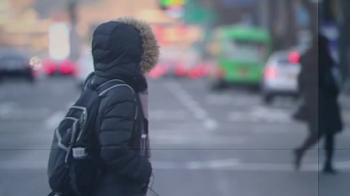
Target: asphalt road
204,143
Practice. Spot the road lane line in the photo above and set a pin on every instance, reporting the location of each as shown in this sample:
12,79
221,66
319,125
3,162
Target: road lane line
192,105
214,165
210,124
165,139
166,115
261,114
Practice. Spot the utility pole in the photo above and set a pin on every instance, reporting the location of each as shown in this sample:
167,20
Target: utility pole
272,20
74,37
291,28
264,13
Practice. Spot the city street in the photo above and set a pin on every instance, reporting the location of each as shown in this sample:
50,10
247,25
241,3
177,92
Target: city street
204,143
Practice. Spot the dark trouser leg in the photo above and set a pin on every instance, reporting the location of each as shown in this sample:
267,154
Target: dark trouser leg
329,149
310,141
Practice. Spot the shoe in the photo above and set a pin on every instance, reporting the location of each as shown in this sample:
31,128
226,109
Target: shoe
297,159
329,170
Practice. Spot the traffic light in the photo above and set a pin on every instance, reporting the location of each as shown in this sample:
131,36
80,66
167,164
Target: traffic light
165,4
169,3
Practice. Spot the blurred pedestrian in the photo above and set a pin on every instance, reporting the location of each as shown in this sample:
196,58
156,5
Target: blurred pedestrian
320,89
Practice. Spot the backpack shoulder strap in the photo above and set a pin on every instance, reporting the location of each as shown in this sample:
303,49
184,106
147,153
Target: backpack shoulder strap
111,84
115,83
88,80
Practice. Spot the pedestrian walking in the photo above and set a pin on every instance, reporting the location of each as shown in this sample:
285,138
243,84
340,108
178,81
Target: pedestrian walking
101,148
319,87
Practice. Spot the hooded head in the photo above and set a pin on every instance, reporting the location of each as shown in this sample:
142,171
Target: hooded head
126,47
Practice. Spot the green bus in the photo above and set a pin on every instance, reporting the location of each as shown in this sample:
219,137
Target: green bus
239,55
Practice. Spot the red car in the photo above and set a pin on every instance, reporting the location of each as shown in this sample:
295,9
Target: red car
198,71
65,67
160,70
168,69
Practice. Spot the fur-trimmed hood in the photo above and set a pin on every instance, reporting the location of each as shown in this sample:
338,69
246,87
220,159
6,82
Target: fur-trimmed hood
126,46
150,46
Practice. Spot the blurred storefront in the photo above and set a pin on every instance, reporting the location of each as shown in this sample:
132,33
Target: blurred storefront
167,22
25,24
21,28
96,12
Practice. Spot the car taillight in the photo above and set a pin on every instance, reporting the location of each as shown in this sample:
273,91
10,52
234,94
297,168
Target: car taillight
195,72
156,72
67,67
180,69
271,73
49,67
294,57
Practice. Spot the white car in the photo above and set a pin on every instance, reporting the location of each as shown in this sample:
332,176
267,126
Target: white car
85,66
280,75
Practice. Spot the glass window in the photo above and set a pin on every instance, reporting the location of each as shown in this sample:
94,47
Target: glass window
248,51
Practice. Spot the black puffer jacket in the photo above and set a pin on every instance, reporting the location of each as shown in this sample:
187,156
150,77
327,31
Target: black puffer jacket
117,50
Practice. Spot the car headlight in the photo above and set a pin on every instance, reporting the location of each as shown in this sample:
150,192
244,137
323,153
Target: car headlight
35,63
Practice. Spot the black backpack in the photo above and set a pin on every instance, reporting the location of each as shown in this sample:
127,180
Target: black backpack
74,165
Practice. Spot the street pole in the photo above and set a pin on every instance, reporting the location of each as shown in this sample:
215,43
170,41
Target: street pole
264,14
272,4
291,28
74,36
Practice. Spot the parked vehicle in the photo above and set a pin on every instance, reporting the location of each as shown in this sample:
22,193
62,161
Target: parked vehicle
280,75
64,67
16,65
175,63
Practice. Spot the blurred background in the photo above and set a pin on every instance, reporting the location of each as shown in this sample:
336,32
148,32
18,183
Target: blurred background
221,95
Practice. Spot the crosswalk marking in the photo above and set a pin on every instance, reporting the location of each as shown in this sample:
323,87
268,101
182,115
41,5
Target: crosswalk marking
246,100
261,114
172,115
231,164
228,99
10,111
192,105
192,137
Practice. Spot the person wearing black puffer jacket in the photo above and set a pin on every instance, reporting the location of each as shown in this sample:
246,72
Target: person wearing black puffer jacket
123,50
